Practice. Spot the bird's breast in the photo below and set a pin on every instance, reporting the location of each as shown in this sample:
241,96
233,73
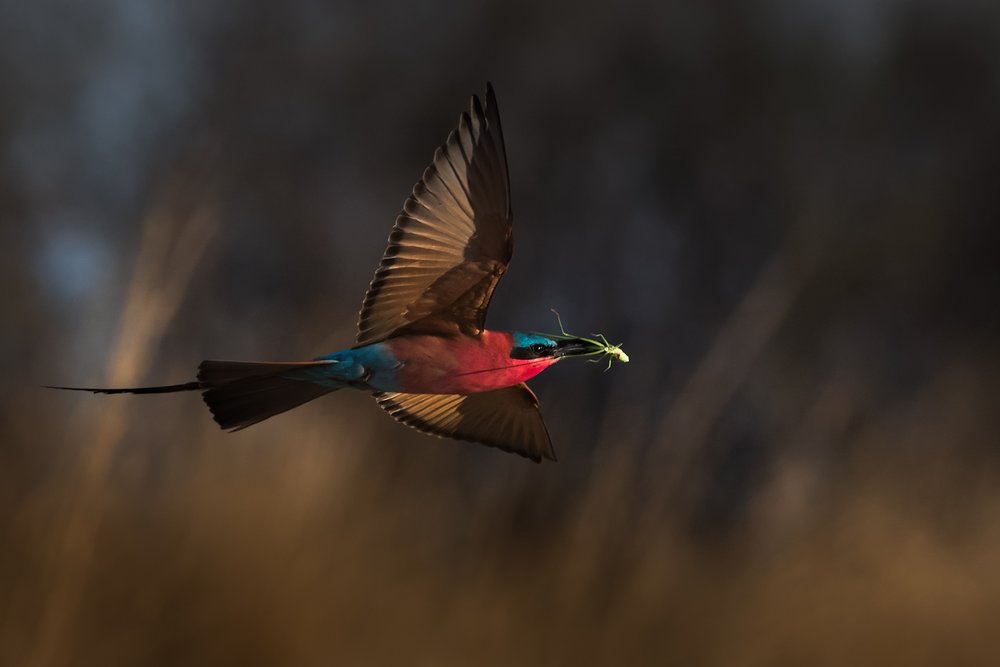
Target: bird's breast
460,365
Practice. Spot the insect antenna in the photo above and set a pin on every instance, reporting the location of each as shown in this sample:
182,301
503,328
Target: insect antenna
562,330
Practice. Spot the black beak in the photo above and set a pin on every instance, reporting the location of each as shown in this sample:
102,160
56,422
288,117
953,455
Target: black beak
572,347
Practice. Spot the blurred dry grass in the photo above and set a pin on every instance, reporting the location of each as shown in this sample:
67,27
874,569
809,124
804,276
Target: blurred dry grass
314,539
168,254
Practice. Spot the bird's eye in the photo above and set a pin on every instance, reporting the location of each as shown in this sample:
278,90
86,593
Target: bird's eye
538,348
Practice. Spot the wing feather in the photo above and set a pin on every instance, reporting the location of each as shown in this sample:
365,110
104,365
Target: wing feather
452,242
507,419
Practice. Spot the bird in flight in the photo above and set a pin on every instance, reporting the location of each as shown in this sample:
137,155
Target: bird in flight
422,348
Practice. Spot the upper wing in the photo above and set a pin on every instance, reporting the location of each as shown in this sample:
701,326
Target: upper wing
451,243
505,418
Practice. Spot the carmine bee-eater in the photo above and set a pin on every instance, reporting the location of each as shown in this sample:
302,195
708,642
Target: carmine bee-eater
423,350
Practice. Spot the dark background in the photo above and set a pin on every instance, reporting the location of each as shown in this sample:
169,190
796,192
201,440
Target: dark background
787,211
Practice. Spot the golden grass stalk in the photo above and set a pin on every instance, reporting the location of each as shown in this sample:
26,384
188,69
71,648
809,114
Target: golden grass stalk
170,250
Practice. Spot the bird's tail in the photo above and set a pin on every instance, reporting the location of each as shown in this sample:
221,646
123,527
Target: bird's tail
240,393
243,393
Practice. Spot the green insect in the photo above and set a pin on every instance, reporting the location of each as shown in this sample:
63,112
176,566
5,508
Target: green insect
604,348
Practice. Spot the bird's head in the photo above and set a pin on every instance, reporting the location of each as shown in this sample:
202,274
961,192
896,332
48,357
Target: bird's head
544,346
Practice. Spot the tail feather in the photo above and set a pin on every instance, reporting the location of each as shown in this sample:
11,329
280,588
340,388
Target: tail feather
245,402
164,389
212,372
240,393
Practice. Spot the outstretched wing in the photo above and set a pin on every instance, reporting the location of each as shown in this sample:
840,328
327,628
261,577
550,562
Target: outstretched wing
505,418
452,242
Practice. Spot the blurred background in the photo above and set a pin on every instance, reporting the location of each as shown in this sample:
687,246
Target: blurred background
787,211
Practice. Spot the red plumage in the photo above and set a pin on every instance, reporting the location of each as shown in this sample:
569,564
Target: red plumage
462,364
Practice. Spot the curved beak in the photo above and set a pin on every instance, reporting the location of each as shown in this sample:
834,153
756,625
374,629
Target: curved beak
574,347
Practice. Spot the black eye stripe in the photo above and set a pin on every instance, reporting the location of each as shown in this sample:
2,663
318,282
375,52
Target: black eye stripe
532,351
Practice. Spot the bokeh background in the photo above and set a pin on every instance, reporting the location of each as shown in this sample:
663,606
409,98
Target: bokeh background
787,211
